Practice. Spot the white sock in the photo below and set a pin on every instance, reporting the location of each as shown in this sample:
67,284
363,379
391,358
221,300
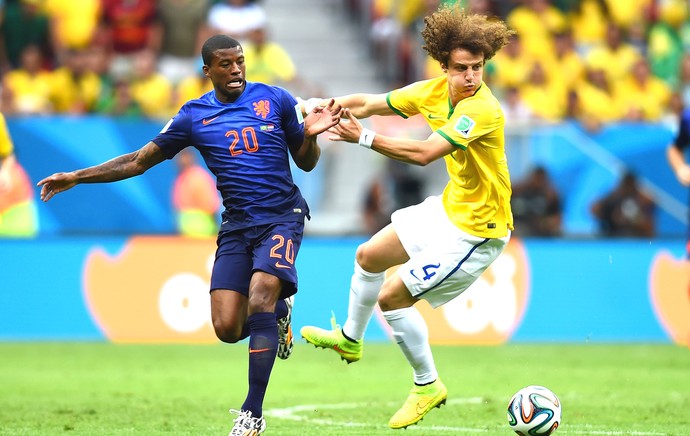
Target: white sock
364,291
412,335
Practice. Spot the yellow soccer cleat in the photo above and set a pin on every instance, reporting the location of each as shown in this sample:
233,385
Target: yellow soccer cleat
333,339
420,402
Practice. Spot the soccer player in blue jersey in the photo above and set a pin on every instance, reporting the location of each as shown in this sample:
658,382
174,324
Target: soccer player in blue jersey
245,132
677,158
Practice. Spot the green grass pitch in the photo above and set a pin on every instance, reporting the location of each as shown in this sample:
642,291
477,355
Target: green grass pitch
106,389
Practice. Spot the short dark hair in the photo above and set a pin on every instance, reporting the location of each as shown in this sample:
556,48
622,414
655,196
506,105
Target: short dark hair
217,42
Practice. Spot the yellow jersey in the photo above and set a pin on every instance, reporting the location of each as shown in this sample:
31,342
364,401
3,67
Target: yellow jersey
271,64
76,22
477,196
70,93
6,146
30,92
154,94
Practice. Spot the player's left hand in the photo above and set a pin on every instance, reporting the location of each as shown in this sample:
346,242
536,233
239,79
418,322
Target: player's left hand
322,118
348,130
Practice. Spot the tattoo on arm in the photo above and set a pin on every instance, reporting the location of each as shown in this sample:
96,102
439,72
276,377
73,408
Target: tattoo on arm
124,166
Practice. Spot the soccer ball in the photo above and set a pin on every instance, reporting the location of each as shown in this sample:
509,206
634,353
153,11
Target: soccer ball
534,410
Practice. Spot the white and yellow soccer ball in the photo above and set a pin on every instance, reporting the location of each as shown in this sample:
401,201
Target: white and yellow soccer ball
534,411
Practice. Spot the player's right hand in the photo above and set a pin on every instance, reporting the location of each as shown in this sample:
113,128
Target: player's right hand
322,118
55,184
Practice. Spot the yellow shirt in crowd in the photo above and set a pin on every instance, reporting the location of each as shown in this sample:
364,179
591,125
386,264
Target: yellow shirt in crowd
535,29
650,99
271,65
617,63
30,93
190,88
597,104
75,22
69,92
154,95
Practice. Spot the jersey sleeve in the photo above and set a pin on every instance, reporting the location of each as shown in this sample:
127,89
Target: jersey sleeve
176,134
293,126
404,101
470,121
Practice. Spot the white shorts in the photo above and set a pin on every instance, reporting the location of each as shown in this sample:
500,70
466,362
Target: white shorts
444,260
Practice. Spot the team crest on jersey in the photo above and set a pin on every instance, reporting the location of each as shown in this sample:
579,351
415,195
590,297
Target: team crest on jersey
268,128
465,125
262,108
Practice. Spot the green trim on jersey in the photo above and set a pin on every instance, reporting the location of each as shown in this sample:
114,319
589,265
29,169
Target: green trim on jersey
449,139
390,105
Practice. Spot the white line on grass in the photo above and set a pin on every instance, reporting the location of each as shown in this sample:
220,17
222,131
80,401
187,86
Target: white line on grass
297,413
301,413
608,433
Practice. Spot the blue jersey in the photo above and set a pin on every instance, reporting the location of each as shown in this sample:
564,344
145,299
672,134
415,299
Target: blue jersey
245,145
683,138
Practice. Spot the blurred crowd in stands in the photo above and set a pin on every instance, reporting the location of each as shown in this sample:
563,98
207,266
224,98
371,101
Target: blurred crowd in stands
598,61
124,57
595,61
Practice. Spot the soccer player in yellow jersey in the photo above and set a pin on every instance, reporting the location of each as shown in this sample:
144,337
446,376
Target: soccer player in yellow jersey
18,215
443,244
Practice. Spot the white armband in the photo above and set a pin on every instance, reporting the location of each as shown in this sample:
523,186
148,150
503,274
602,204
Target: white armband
309,104
366,138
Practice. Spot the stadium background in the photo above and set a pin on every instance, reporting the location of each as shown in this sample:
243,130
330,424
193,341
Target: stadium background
91,263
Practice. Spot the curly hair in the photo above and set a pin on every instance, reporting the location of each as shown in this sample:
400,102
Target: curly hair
451,28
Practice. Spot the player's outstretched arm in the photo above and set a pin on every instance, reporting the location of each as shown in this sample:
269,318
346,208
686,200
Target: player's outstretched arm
319,120
361,105
119,168
413,151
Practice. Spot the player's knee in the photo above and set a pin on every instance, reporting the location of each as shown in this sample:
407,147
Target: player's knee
226,333
366,259
387,301
391,298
